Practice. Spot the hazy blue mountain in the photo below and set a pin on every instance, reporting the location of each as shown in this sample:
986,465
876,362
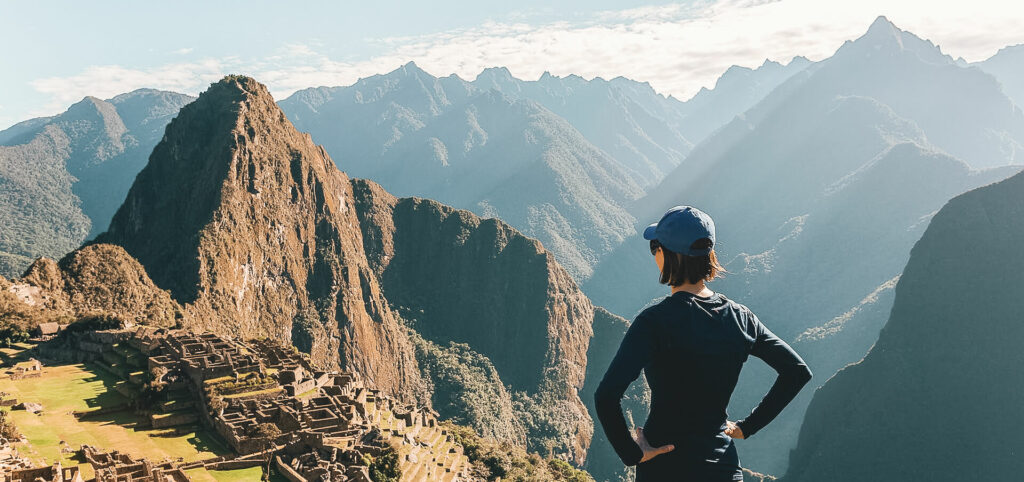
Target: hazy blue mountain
560,158
946,368
736,91
962,111
818,196
62,177
647,144
1007,66
445,139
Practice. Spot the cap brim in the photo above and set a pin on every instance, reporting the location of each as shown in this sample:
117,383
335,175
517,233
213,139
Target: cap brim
649,232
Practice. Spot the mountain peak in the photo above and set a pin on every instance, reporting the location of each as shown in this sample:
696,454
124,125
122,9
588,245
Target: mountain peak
410,68
496,74
250,224
883,26
882,32
885,38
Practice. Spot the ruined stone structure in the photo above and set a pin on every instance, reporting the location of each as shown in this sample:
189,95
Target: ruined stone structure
267,402
51,473
118,467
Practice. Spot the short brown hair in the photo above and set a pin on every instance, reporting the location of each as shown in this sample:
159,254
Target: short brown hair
679,268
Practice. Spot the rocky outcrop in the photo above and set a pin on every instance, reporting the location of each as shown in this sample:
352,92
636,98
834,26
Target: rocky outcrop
97,279
459,278
937,397
104,278
252,228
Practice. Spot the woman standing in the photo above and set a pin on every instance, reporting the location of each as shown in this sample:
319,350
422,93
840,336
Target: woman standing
691,347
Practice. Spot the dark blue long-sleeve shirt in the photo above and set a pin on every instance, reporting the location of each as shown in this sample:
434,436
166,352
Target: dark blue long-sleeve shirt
691,350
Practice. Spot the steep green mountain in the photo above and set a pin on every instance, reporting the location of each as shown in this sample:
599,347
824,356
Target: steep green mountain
62,177
937,397
818,196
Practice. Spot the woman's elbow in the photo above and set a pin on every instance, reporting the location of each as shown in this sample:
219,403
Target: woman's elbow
803,374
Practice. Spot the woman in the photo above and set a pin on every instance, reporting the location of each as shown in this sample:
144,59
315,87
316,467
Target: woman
691,347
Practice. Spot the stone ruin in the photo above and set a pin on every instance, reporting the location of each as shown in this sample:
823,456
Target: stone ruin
52,473
31,368
118,467
325,425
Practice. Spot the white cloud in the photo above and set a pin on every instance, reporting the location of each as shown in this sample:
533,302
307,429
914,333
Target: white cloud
183,51
106,81
677,48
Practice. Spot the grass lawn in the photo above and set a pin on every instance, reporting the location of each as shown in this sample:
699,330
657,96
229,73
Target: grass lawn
240,475
64,389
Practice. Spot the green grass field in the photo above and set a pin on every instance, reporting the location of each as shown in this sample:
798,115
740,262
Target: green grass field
65,389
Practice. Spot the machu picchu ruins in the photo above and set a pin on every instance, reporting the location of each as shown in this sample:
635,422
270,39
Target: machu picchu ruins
265,401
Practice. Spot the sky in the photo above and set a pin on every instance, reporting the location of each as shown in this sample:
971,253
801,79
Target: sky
57,52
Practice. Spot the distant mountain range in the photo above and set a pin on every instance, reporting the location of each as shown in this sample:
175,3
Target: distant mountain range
819,192
559,158
946,367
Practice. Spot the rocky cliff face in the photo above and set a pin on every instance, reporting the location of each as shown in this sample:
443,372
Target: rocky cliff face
479,282
937,397
253,229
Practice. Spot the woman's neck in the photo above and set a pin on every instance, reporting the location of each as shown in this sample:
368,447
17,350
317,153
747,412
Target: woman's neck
696,288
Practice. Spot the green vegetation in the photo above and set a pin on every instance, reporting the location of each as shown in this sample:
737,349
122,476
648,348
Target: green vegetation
94,322
11,334
467,389
244,383
17,317
506,461
385,467
7,428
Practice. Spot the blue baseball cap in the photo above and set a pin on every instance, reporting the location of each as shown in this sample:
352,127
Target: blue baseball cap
680,227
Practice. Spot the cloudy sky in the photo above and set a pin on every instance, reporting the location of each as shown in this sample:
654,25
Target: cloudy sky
56,52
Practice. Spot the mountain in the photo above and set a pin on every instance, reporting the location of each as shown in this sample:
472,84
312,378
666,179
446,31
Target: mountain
645,144
446,140
559,158
962,110
63,177
735,92
1007,66
242,226
481,284
250,226
818,196
922,403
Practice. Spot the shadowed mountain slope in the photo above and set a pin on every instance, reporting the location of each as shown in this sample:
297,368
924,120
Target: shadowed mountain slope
922,403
